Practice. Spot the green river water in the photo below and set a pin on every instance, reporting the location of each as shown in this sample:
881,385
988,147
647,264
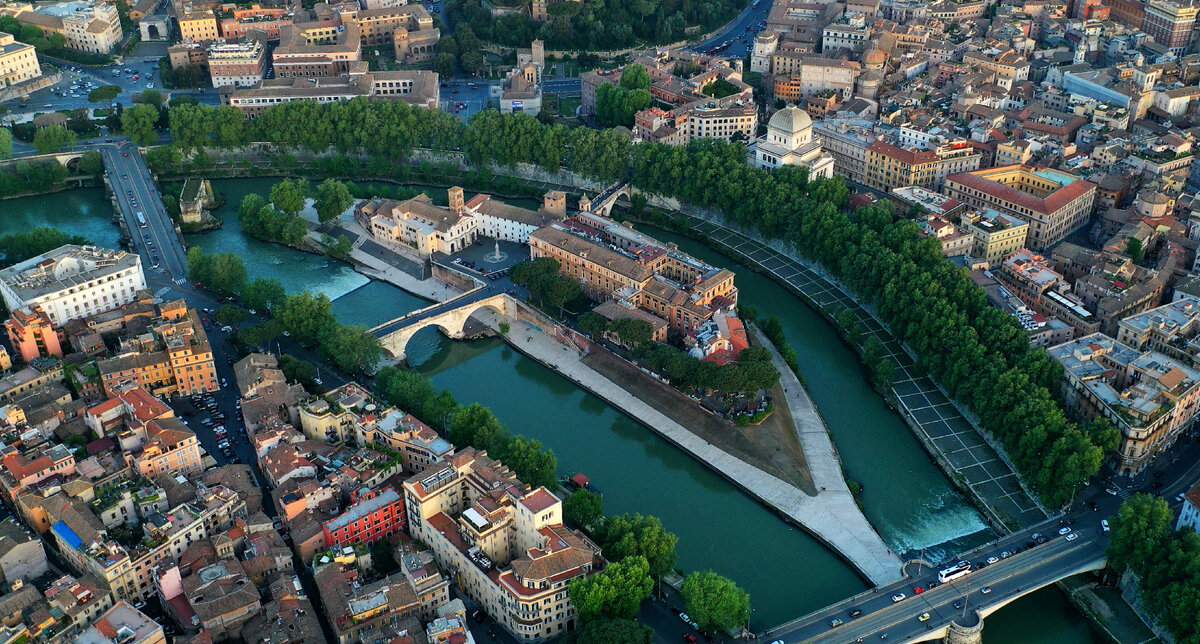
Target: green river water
786,572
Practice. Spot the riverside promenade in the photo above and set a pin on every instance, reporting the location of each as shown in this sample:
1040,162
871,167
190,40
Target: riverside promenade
831,515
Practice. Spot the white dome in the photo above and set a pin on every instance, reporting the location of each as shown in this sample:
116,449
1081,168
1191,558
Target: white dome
790,120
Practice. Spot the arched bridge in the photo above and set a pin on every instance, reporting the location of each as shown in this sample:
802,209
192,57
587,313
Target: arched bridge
449,316
956,609
604,202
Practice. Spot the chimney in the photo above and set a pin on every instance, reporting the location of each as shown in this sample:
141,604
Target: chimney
456,198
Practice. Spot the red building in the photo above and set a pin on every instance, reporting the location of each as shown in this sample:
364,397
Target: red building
375,515
32,334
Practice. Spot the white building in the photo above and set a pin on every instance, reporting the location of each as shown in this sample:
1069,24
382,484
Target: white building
73,282
789,141
1189,514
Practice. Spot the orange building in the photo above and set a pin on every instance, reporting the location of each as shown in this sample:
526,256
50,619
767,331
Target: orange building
169,447
239,22
32,334
176,360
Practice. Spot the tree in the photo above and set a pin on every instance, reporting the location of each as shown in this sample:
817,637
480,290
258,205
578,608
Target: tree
53,138
263,293
260,333
608,631
18,247
616,592
632,331
230,314
297,370
1139,529
91,163
164,157
475,425
307,317
333,198
352,348
1135,249
529,460
635,76
583,508
629,535
138,123
592,324
150,97
523,272
288,196
104,93
443,64
714,602
6,143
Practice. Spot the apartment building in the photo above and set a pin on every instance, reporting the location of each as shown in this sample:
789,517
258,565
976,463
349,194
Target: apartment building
92,27
266,396
806,74
123,624
161,446
129,573
418,88
170,356
240,64
1052,201
373,515
198,27
316,50
506,544
1044,290
847,140
1170,329
1171,24
238,23
73,282
889,167
613,262
31,333
997,235
18,62
1150,397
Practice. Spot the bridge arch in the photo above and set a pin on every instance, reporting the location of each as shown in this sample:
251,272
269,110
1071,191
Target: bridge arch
451,322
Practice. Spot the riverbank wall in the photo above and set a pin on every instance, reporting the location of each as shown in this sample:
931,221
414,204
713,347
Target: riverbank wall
832,516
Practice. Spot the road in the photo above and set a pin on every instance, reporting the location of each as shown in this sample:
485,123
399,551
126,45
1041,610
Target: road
458,97
159,246
739,33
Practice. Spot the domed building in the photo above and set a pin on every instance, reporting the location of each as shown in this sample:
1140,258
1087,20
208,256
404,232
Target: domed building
789,141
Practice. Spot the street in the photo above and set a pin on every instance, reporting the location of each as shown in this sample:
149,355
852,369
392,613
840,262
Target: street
739,33
156,241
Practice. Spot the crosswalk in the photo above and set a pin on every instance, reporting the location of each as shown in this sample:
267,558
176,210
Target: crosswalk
162,291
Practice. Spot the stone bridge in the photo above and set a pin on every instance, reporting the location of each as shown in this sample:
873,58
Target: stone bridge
604,202
449,316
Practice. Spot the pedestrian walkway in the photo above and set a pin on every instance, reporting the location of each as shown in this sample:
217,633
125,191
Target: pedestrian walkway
954,439
832,516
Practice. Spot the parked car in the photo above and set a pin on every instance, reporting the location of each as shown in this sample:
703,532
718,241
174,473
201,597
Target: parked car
898,597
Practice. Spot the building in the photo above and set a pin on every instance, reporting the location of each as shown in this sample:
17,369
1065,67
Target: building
1171,329
506,543
498,220
239,22
123,624
419,224
415,87
408,29
614,262
222,597
31,333
266,395
240,64
997,235
170,355
198,27
22,555
1189,514
1044,290
72,282
1171,24
375,514
1150,397
195,197
789,141
316,50
889,167
18,62
1053,202
161,446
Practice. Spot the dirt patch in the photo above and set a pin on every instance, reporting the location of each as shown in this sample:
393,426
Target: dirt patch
771,446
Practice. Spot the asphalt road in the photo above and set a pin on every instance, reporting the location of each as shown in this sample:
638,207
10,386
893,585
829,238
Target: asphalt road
159,246
740,32
462,100
99,76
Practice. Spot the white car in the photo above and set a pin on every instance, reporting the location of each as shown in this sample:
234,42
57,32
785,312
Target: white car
993,559
684,617
898,597
1073,536
1064,530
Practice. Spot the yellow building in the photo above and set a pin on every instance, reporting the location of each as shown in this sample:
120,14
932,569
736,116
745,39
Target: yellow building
1053,202
418,224
18,62
889,167
997,235
200,26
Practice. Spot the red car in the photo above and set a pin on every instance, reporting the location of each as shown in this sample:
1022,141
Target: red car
917,590
689,638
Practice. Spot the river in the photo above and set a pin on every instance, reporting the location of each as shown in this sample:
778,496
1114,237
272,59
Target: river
786,572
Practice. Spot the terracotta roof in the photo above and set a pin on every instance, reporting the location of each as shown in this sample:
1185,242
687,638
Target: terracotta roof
1047,205
904,156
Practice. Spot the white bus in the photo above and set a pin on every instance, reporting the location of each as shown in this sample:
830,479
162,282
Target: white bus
960,569
141,220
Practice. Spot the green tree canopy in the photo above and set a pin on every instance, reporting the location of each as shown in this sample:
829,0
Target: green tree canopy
529,460
592,323
632,331
475,425
616,592
609,631
635,535
53,138
308,317
6,143
297,370
20,246
333,198
220,272
714,602
91,163
138,122
288,195
582,508
230,314
352,348
263,292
